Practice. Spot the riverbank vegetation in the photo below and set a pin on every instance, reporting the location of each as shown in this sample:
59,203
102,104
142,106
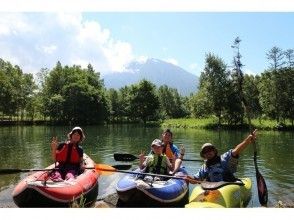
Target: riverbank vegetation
212,123
76,95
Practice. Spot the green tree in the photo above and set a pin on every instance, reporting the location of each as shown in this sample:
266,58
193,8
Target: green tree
34,107
113,99
144,103
26,93
251,93
171,103
215,79
289,54
124,97
276,58
266,98
16,89
234,112
286,94
75,95
200,106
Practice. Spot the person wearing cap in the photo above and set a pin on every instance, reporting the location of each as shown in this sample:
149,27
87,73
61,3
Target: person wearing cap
220,168
157,162
68,155
174,154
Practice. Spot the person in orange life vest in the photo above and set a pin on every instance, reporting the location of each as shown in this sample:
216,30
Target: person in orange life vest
220,168
172,151
68,155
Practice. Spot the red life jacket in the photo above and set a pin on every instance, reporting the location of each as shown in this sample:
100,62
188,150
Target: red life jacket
63,157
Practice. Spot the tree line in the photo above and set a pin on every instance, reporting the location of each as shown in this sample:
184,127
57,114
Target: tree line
72,94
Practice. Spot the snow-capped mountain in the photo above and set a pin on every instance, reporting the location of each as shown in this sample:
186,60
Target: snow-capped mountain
156,71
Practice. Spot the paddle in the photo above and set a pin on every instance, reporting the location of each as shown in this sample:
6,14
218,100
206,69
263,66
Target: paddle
15,170
261,185
104,169
131,157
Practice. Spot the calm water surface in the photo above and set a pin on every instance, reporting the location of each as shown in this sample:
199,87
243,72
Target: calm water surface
29,147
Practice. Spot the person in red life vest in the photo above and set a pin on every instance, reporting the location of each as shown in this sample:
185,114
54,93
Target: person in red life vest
172,151
68,155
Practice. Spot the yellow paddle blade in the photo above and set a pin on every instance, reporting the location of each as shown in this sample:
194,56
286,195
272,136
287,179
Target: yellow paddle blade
104,169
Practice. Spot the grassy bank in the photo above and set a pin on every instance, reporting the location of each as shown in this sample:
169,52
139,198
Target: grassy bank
204,123
212,123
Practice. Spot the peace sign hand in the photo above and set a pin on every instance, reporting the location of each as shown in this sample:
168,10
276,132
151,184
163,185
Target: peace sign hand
182,150
142,156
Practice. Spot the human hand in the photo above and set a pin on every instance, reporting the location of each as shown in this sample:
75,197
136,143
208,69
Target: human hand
192,180
182,150
54,144
251,137
142,156
187,178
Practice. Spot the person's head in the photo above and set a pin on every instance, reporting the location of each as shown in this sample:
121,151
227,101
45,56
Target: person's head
157,146
76,135
167,136
208,151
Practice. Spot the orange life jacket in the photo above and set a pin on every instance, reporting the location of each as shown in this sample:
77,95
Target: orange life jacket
63,157
168,152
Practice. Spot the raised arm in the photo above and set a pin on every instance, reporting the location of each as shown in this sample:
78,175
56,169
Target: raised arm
182,152
54,144
177,161
248,140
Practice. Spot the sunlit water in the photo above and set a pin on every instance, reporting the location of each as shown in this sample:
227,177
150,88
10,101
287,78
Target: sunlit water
29,147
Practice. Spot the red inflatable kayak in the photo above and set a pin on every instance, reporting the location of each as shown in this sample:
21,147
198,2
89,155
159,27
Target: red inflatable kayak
36,190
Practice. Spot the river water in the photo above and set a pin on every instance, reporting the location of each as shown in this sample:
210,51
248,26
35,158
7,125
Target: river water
28,147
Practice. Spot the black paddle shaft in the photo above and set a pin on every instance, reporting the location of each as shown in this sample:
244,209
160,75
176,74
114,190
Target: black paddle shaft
147,174
261,185
131,157
16,170
124,157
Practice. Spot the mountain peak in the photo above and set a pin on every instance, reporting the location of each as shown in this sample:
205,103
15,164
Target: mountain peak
156,71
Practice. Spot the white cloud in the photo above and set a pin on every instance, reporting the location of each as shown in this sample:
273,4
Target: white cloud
47,49
172,61
142,59
13,24
38,40
118,54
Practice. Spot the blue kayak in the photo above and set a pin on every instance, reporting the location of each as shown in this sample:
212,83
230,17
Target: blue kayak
145,191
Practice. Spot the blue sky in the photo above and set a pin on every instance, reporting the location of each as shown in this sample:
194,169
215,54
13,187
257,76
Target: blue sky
109,40
184,38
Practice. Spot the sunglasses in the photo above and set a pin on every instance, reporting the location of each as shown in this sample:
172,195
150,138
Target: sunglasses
156,146
208,150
